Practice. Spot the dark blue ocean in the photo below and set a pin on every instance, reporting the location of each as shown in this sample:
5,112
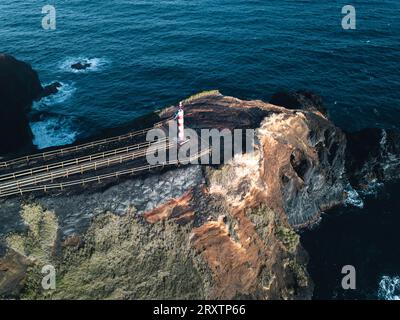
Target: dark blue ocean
149,54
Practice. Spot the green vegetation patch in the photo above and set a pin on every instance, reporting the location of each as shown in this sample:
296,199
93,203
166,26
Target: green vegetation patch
262,217
39,241
37,246
201,95
299,272
123,259
288,237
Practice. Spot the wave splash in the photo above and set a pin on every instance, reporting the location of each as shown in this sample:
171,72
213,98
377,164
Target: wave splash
389,288
353,198
64,93
96,64
53,131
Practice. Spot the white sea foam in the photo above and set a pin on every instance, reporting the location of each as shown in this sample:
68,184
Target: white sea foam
353,197
96,64
373,188
389,288
53,132
64,93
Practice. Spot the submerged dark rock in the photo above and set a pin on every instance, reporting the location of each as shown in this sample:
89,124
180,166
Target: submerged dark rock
50,89
81,65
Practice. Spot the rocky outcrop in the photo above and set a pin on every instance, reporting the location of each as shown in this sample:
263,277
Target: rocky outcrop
13,270
19,87
81,65
301,99
199,231
304,165
50,89
372,156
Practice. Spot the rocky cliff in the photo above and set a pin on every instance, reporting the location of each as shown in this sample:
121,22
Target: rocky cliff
372,156
19,87
214,232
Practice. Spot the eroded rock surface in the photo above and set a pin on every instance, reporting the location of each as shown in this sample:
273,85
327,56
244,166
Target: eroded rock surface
372,156
19,87
214,232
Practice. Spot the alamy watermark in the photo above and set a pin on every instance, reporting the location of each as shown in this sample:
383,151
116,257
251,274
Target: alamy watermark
49,280
349,21
349,280
206,146
49,20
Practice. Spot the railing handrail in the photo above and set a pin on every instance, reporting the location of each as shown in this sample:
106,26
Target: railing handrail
117,174
78,169
76,161
63,151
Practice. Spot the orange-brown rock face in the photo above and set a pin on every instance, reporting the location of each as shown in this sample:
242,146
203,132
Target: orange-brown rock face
229,231
235,264
299,157
177,209
303,165
241,247
294,173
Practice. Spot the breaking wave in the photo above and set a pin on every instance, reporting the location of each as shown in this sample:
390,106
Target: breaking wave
64,93
389,288
53,131
353,198
373,188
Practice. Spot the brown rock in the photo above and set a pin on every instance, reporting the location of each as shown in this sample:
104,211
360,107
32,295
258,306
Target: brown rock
176,209
13,267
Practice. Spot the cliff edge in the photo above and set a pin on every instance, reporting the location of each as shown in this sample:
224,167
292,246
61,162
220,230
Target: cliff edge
19,87
205,232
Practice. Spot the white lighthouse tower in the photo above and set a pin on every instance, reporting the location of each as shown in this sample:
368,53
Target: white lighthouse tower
181,130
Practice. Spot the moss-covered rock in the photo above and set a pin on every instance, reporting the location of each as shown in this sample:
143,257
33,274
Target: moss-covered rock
125,259
29,252
39,241
201,95
299,272
262,217
288,237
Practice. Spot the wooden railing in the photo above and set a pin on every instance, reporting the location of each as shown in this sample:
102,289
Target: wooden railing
65,151
99,179
76,161
79,169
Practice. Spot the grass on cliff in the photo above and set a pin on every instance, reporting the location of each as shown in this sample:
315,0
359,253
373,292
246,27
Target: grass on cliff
123,259
288,237
299,272
38,242
262,217
200,95
119,257
221,176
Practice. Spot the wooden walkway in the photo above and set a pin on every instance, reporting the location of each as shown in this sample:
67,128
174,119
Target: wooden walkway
63,168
